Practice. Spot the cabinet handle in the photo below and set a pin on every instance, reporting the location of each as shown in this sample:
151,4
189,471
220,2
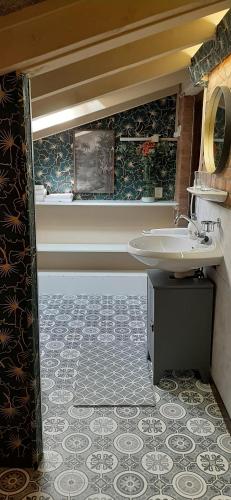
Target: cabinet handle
152,326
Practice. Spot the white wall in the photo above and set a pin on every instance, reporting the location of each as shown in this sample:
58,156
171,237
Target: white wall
98,224
221,355
95,224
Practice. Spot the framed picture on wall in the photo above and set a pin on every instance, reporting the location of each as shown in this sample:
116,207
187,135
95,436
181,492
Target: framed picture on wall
94,161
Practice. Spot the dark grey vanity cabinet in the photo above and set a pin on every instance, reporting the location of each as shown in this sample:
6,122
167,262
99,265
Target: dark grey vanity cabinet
179,329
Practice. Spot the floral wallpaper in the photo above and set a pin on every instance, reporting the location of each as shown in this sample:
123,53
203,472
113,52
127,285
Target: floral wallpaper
212,52
20,413
54,162
54,158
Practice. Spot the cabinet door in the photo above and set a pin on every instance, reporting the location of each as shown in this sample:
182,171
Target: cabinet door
183,328
150,321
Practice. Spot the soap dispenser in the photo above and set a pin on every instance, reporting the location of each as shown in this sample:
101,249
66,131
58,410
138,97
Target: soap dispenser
191,228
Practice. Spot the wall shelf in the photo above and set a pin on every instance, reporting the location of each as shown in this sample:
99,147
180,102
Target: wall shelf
109,203
153,138
209,195
82,247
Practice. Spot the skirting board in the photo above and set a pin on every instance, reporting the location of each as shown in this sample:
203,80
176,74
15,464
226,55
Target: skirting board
92,283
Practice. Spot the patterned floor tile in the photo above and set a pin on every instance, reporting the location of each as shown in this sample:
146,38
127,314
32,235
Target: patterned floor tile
178,449
97,347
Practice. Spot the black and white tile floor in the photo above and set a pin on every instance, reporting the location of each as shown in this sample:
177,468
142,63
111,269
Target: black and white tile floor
170,444
96,346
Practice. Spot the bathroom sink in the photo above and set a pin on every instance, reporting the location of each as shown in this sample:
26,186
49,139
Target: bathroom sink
172,250
167,231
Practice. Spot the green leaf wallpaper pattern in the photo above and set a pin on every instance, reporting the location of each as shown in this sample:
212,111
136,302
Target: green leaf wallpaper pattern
20,422
54,156
212,52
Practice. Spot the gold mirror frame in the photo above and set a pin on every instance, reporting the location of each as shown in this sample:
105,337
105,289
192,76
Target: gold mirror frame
210,118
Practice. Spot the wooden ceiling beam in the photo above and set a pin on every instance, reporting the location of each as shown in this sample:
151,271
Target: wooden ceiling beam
116,60
107,111
40,38
109,83
123,99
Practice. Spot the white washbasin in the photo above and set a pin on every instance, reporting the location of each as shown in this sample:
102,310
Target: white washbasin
167,231
172,250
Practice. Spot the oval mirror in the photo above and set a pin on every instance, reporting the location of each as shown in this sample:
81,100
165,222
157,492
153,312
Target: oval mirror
217,131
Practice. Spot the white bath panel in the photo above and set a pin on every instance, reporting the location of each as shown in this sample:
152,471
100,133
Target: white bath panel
93,283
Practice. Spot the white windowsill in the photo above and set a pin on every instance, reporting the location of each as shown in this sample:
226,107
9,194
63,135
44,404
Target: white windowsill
109,203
